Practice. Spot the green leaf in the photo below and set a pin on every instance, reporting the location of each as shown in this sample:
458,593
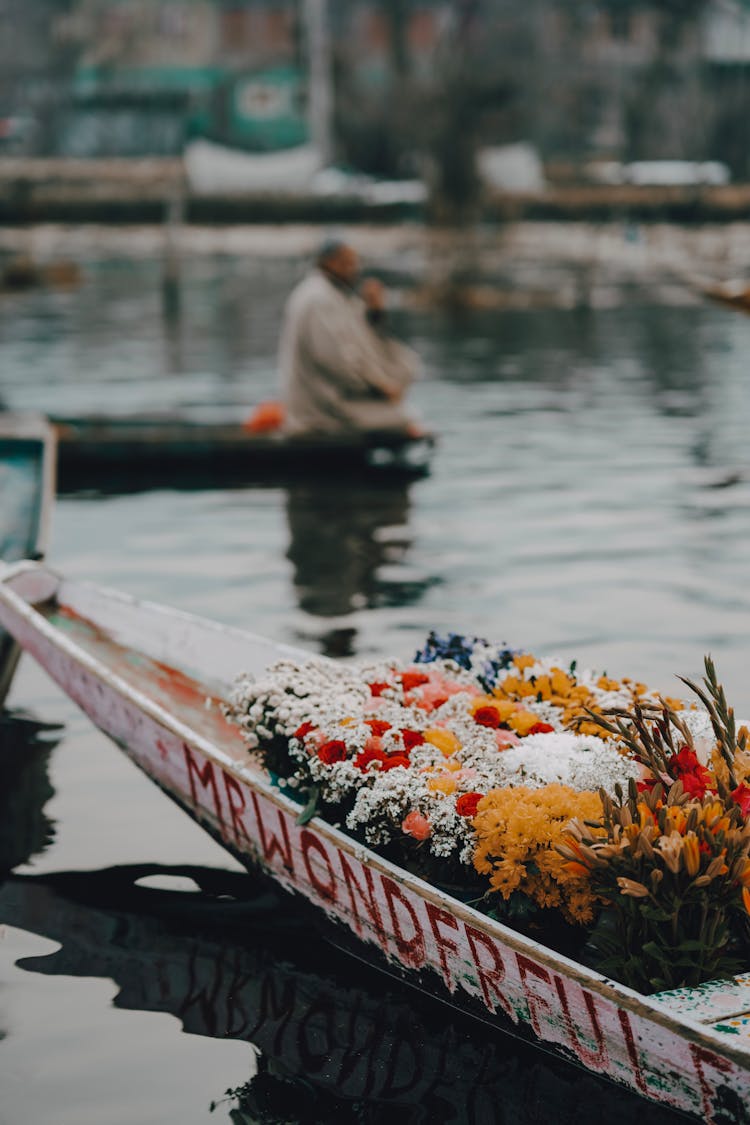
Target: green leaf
311,807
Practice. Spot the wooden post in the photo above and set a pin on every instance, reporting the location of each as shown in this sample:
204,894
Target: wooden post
320,79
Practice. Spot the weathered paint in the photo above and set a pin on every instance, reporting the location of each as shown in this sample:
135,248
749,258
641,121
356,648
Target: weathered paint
605,1027
716,1000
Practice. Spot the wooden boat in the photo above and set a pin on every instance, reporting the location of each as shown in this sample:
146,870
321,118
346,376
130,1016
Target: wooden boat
27,490
128,453
152,679
736,294
234,967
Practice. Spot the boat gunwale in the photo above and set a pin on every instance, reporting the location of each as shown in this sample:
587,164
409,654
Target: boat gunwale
690,1030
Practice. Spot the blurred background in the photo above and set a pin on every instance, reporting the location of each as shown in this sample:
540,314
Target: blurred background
395,89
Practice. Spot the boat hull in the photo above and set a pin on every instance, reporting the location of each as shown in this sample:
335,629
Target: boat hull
128,454
471,960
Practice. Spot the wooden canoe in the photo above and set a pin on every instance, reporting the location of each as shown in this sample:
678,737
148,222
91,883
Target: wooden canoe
246,966
152,678
27,490
130,453
733,293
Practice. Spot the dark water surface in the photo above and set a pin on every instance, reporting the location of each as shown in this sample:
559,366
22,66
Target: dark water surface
590,497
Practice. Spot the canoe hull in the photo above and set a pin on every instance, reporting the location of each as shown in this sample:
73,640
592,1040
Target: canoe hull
131,453
475,963
27,490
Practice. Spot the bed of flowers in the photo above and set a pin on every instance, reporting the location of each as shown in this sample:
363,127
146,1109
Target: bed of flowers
561,801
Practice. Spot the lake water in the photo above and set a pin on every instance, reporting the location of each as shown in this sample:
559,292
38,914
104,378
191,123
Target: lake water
590,496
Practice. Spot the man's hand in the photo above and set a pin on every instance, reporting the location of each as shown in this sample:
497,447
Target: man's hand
372,293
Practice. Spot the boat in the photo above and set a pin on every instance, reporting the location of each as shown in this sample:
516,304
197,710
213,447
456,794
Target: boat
140,451
216,170
27,490
223,954
735,293
153,679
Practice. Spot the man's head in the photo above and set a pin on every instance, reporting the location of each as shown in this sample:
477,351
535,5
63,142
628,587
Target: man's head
340,260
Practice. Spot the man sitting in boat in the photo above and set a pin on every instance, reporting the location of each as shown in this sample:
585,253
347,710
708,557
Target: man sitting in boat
340,369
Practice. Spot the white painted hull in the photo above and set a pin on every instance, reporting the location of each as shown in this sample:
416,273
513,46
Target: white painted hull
646,1044
214,169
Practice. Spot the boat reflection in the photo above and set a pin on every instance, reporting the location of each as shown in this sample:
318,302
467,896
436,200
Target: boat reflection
233,958
25,748
349,544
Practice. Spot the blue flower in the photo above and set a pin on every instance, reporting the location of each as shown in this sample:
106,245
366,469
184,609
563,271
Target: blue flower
476,655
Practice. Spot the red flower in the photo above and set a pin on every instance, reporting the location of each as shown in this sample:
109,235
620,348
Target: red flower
741,797
332,752
693,785
377,726
645,786
541,728
686,761
393,760
377,689
466,805
303,730
371,754
411,739
411,680
695,778
487,717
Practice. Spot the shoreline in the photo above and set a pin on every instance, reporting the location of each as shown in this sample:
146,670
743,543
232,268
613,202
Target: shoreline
146,191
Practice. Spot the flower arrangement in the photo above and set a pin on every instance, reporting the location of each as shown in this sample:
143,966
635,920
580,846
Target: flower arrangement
518,833
671,860
504,777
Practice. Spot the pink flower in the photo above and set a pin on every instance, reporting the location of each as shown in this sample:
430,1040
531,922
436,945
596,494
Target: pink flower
416,825
506,738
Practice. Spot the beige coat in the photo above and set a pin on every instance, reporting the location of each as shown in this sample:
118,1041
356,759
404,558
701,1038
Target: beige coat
336,370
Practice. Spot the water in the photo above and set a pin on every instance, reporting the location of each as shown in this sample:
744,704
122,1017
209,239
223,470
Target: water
589,497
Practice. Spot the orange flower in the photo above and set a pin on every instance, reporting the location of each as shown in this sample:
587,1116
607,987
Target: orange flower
746,898
442,784
691,854
444,740
523,721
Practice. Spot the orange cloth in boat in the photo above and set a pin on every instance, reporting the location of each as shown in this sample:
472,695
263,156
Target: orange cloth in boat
265,418
337,370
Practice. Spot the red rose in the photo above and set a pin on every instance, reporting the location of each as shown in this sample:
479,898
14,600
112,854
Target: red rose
393,760
303,730
411,739
411,680
332,752
370,756
487,717
377,689
377,726
466,805
542,728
